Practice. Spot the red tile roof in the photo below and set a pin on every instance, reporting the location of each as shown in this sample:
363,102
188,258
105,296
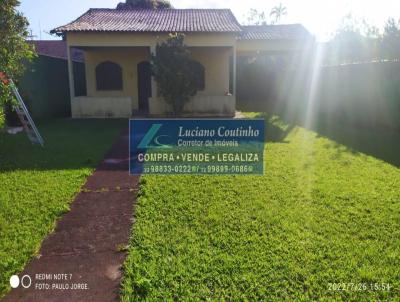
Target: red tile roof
56,49
150,20
275,32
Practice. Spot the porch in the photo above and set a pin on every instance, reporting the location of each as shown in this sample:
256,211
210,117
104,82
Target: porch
119,83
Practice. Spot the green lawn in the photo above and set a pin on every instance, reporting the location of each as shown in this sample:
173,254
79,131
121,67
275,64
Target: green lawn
321,214
37,184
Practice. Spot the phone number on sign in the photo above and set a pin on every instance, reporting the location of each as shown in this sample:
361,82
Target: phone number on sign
188,169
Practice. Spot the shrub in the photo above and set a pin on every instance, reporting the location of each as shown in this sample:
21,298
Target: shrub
175,72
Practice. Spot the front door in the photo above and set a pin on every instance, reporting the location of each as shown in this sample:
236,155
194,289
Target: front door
144,85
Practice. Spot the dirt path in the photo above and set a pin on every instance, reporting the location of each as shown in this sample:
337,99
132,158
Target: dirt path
86,245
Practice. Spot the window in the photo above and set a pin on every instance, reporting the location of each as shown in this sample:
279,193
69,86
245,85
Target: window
108,76
200,75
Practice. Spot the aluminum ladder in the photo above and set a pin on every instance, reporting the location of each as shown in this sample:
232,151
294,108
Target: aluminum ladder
25,118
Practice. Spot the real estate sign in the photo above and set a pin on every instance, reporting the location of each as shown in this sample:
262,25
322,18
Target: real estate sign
196,146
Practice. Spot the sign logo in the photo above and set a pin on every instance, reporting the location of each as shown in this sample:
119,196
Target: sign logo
150,140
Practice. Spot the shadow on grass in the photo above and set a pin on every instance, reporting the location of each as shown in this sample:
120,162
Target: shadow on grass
381,143
69,144
274,131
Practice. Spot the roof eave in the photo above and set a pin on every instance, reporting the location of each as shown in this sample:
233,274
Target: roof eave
63,32
278,39
58,31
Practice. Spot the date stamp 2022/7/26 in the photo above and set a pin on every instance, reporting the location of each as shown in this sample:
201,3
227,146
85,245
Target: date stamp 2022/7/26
359,286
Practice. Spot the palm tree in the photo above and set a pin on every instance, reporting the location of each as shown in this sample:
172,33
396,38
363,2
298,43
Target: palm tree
278,12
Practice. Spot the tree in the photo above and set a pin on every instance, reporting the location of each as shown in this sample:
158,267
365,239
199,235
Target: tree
369,30
175,72
14,49
278,11
255,17
144,4
390,47
355,40
347,47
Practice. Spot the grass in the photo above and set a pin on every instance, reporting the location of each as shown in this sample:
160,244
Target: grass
38,184
321,214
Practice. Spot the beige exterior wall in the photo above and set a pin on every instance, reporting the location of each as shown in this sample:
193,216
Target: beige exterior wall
146,39
126,49
101,107
214,59
128,58
212,50
216,64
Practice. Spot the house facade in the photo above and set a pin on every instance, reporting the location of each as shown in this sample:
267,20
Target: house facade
118,43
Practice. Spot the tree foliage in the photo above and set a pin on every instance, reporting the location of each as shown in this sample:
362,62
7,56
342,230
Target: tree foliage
278,12
391,39
358,41
175,72
348,44
14,49
255,17
145,4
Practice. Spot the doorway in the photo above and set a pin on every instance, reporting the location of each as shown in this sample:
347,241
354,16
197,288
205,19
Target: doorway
144,85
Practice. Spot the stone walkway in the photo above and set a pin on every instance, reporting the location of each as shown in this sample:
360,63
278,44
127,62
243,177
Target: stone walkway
87,242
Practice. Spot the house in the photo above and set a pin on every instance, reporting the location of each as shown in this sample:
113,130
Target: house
118,43
44,85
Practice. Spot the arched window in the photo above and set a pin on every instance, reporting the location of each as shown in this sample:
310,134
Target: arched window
108,76
200,75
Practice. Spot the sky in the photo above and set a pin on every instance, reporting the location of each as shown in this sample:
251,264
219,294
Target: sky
320,17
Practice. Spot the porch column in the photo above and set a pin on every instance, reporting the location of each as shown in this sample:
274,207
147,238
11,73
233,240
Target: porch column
153,51
70,73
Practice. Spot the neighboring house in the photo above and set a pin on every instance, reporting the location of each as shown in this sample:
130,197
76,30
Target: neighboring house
45,84
117,44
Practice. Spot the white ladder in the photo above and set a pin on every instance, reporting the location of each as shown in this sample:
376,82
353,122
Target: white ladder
25,118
